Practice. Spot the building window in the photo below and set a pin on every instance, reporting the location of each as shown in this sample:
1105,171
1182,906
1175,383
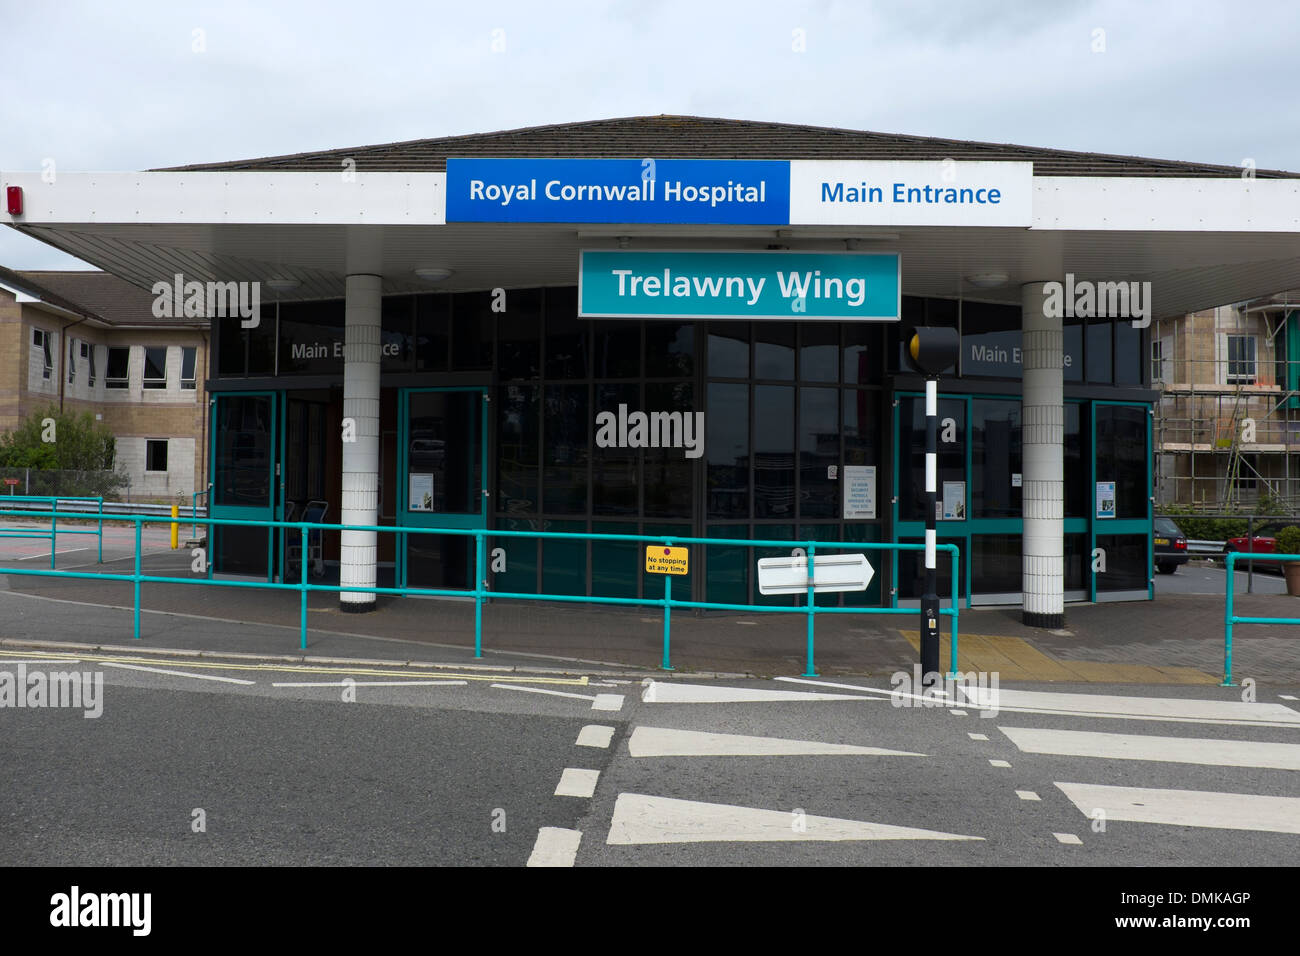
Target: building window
72,360
43,340
155,368
1241,360
155,454
88,353
119,364
188,355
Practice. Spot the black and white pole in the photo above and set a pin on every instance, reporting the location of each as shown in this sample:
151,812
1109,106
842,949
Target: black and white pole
932,351
930,595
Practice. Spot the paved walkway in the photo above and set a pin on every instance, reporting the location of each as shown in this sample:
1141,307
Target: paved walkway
1175,639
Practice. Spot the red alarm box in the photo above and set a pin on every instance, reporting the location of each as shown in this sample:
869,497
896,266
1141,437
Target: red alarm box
14,200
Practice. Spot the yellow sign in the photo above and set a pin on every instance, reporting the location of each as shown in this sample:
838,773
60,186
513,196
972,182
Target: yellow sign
661,560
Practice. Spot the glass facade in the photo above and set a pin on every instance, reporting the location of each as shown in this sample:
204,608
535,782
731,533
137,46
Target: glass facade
730,429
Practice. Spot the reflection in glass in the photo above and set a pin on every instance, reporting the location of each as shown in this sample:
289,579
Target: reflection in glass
726,450
774,451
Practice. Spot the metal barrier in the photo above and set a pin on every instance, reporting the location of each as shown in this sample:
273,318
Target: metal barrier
52,502
1229,618
481,592
194,507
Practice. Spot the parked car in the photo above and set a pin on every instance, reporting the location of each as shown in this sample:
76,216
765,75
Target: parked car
1262,540
1170,545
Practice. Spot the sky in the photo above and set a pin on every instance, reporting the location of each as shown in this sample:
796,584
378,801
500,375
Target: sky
141,84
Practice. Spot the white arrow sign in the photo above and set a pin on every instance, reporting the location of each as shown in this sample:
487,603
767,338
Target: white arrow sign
831,572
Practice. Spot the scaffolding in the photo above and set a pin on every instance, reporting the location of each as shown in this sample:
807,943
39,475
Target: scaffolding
1227,425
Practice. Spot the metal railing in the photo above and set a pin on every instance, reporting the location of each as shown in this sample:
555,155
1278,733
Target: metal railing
52,505
1230,618
481,592
194,507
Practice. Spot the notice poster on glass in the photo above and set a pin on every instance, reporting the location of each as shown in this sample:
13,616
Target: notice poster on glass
954,501
421,497
1105,499
860,492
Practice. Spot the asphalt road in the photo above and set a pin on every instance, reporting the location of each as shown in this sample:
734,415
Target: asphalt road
463,769
1209,579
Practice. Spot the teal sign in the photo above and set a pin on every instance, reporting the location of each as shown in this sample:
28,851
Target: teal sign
740,285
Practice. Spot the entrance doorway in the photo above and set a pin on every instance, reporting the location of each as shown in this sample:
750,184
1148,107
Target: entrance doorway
441,483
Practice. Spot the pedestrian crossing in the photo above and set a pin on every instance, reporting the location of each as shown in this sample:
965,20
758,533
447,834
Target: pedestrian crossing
1126,778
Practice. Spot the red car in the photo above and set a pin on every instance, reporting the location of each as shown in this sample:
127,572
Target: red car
1262,540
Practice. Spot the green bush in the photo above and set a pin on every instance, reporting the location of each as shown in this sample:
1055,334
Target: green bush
1288,541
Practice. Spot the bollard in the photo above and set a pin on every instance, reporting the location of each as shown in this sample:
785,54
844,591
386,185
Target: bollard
176,529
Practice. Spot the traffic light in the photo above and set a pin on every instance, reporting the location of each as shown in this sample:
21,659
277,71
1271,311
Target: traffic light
933,349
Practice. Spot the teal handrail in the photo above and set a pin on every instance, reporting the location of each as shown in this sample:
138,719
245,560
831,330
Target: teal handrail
481,592
1229,618
53,515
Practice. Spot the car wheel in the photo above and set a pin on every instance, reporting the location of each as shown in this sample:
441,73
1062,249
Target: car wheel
1164,567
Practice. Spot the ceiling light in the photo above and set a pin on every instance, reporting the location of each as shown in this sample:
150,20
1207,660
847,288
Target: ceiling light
433,273
988,280
282,284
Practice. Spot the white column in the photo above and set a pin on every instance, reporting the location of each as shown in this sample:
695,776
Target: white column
360,457
1043,485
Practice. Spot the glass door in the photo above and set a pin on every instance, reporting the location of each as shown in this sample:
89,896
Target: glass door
245,472
442,470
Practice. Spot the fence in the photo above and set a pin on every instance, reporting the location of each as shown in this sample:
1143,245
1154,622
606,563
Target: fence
1230,618
52,504
481,592
63,482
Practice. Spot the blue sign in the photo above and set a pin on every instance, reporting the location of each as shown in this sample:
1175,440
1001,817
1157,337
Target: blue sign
739,285
699,191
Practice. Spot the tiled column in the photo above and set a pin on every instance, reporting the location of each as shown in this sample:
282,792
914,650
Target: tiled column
1043,492
360,457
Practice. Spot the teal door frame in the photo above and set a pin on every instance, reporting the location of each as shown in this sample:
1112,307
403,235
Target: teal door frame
961,532
1118,525
429,519
271,512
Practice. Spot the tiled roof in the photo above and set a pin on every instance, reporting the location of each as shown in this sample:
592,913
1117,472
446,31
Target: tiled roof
707,138
98,295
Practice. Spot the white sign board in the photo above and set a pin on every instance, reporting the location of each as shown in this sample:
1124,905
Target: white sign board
831,572
954,501
421,498
860,492
1105,499
909,193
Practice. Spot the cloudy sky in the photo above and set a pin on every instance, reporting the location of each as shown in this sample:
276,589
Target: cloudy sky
138,84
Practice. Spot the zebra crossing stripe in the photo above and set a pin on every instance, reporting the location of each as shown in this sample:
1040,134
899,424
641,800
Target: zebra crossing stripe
1187,808
1207,751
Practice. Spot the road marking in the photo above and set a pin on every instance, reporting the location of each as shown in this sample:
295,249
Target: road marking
1207,751
576,782
664,742
376,683
32,557
555,846
1068,838
607,702
1180,709
1286,696
176,673
642,819
998,763
1027,795
368,671
542,690
57,660
595,735
957,713
1187,808
977,736
662,692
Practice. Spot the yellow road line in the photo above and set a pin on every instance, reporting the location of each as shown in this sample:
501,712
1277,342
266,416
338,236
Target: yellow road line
304,668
